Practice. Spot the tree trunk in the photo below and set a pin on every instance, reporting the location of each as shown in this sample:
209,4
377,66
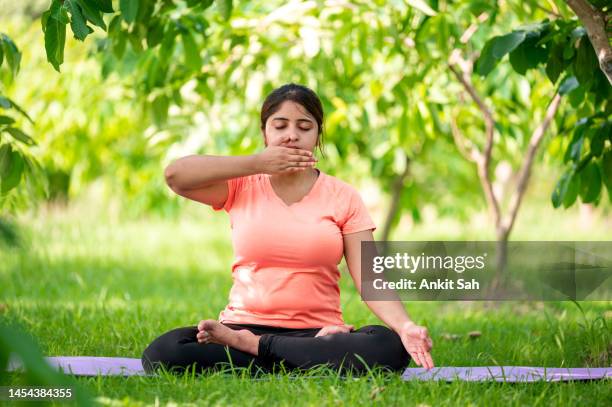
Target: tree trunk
501,260
394,207
594,22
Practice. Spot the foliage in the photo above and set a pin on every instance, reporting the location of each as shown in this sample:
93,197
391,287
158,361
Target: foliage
570,62
189,76
14,342
16,159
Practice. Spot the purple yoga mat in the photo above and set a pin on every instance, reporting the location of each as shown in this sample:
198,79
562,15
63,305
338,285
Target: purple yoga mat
508,373
92,366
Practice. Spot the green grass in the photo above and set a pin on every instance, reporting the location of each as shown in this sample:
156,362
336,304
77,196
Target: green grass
84,284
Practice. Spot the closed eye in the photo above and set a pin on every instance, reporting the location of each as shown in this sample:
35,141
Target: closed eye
301,128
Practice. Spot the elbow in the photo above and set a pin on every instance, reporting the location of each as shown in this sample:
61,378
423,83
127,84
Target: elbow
170,176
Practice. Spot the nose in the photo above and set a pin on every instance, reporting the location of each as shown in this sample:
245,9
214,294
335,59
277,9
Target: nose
291,135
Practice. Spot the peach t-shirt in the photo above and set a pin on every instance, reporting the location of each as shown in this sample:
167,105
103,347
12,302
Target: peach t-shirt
285,270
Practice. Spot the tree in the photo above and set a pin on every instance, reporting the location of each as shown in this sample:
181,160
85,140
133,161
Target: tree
383,84
15,157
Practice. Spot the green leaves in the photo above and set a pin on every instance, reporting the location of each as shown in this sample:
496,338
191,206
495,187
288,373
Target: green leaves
80,29
584,179
129,10
9,51
105,6
569,84
590,183
192,53
225,8
92,12
19,135
585,64
54,23
6,120
523,44
422,6
599,138
527,55
7,103
11,168
159,108
496,48
566,190
606,171
78,13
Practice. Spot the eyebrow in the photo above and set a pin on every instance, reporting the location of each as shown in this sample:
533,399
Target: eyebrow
299,120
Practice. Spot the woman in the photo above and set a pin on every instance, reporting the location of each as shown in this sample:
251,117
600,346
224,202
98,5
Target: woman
291,224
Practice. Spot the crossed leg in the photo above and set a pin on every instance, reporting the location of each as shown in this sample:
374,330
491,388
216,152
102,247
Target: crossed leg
251,346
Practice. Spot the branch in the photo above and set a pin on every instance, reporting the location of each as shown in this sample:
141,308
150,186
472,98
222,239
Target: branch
594,22
473,154
551,12
469,32
485,158
525,172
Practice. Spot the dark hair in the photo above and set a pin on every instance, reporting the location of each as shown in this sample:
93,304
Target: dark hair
299,94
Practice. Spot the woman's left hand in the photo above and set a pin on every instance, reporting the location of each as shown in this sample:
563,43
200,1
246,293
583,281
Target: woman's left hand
417,342
334,329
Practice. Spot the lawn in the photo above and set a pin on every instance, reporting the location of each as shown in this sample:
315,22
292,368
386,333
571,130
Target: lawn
84,284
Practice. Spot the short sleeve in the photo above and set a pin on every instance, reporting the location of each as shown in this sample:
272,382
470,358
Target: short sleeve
355,217
234,185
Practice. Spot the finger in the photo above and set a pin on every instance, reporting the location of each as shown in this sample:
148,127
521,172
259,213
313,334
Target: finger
429,360
422,360
302,158
297,166
305,164
291,169
201,325
415,357
299,151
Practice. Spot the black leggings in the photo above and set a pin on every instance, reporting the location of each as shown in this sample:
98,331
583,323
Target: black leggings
295,349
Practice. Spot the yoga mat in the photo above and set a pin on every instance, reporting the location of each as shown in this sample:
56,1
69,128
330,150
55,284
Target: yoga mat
512,374
91,365
108,366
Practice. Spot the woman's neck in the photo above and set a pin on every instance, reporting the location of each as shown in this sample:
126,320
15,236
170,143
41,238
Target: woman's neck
295,178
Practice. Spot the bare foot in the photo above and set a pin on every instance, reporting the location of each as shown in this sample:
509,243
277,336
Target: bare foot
211,331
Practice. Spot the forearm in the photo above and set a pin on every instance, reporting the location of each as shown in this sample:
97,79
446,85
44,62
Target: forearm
391,313
197,171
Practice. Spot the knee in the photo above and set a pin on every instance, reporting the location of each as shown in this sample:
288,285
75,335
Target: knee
165,351
156,355
390,350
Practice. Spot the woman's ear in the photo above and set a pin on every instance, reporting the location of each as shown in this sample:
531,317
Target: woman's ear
263,133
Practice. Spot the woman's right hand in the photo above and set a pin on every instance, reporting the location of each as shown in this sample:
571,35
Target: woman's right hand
279,159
